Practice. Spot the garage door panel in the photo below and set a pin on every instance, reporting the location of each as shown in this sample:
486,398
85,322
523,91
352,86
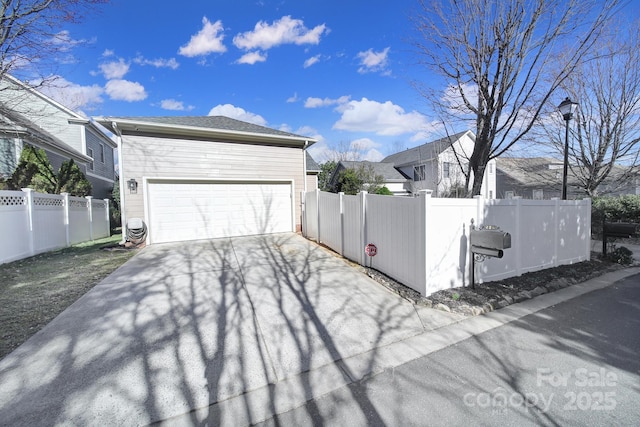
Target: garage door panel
189,211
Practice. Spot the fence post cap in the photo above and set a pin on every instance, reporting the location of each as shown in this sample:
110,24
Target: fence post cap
27,190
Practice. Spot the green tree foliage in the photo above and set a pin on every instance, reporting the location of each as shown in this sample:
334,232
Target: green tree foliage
35,171
354,180
114,205
614,209
349,182
326,171
384,191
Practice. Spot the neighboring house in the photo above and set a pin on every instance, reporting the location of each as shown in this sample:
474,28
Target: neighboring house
191,178
390,177
440,166
16,131
541,178
77,132
313,170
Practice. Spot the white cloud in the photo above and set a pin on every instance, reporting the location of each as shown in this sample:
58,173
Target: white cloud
252,57
72,95
311,61
237,113
312,102
207,40
382,118
293,98
107,53
124,90
283,31
371,61
115,69
64,42
173,105
363,144
452,97
158,62
373,155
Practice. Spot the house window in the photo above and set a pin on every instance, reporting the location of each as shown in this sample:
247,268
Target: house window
419,173
538,195
490,167
90,154
508,194
446,169
102,153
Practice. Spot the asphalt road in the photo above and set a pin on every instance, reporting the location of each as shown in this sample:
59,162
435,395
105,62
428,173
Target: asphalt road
576,363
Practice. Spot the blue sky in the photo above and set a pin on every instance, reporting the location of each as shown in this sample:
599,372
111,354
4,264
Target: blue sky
338,71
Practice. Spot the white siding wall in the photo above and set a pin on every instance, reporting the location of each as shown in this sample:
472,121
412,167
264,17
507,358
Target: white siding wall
43,113
150,157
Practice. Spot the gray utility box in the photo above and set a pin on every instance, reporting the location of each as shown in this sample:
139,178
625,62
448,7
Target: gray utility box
489,241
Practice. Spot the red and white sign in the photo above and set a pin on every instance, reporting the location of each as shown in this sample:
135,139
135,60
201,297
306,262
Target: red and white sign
371,249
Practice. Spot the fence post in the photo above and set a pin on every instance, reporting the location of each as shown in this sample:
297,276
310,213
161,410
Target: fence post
556,232
303,209
65,198
90,212
29,198
425,209
587,222
517,241
318,215
340,202
107,217
363,225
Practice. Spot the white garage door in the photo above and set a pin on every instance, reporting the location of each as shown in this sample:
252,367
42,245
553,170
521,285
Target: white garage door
201,210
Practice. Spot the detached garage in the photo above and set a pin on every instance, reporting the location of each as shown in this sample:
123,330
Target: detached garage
191,178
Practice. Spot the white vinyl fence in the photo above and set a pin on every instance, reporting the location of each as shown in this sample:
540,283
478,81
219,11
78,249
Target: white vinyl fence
32,223
423,242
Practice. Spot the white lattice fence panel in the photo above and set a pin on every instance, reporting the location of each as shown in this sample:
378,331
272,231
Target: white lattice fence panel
14,226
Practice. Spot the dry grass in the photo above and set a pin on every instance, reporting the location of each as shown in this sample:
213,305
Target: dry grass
35,290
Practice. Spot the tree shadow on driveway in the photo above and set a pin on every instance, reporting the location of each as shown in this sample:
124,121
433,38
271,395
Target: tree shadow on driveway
181,327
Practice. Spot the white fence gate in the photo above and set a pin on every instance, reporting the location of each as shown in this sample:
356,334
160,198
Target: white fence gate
32,223
423,242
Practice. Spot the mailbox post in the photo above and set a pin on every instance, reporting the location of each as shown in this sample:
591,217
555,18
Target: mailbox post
486,241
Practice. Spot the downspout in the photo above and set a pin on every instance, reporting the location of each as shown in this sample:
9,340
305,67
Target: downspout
123,221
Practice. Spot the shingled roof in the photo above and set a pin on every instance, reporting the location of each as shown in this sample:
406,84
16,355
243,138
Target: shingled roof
423,152
208,122
386,170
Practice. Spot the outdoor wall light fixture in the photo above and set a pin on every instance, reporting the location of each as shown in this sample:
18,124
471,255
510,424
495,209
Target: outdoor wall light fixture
567,108
132,185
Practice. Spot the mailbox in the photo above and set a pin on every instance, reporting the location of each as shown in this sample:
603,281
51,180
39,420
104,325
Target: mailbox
619,229
490,237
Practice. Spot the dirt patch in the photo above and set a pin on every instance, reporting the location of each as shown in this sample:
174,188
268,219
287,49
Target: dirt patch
493,295
35,290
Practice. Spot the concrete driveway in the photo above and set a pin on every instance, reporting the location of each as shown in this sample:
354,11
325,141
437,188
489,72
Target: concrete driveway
182,326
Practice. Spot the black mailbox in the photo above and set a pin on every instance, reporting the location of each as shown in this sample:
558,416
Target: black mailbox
619,229
489,241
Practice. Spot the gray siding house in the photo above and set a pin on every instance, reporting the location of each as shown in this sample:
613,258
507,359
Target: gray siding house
190,178
77,132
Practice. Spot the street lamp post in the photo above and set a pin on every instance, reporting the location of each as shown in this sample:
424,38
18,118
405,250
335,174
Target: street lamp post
567,108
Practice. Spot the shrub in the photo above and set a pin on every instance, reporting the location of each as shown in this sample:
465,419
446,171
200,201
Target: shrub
384,191
614,209
621,255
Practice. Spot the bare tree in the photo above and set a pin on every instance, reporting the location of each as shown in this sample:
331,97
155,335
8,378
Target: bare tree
605,143
31,33
495,56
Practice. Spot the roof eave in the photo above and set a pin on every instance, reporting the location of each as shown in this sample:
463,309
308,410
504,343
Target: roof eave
92,125
129,126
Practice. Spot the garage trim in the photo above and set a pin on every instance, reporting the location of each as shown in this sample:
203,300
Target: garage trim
147,181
